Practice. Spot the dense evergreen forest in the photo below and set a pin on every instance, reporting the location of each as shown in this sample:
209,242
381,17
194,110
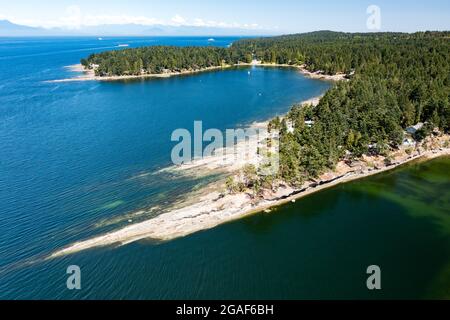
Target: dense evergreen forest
399,80
159,59
396,80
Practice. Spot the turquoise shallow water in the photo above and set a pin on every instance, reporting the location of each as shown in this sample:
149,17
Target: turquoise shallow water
77,157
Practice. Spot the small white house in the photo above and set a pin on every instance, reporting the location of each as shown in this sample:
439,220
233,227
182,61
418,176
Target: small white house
309,123
290,126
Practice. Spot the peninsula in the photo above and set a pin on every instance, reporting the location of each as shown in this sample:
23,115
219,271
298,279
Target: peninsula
394,108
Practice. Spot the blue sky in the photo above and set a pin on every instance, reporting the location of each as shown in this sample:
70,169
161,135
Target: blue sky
282,16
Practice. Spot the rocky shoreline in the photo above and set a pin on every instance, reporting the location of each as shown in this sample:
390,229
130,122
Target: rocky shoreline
214,207
89,74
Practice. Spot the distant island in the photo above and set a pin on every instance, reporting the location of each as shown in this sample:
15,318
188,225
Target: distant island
392,108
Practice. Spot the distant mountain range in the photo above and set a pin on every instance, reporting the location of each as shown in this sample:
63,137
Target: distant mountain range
9,29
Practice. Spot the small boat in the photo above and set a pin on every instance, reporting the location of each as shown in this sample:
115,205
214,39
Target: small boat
123,45
211,40
100,39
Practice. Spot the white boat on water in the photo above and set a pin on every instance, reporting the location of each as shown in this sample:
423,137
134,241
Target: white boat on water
123,45
211,40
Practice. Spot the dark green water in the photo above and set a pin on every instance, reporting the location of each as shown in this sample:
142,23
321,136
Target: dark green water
317,248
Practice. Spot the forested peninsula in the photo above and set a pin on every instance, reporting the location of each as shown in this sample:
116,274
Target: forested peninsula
395,81
394,108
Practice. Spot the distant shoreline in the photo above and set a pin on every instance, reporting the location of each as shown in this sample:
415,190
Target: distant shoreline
89,74
303,69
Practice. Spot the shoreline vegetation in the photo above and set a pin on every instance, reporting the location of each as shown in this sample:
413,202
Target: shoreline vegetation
214,208
394,109
89,74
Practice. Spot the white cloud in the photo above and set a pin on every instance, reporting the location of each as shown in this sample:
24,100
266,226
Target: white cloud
178,20
198,22
74,18
93,20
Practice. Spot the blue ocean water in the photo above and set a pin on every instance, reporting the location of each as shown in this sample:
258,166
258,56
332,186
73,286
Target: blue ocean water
77,157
